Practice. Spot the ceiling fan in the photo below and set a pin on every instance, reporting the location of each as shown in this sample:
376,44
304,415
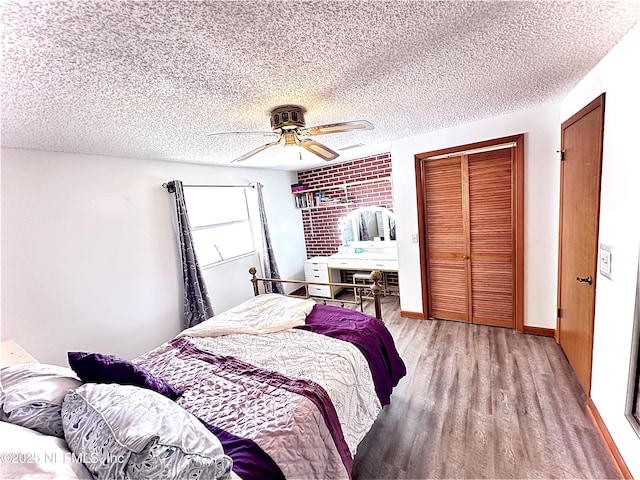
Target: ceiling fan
287,123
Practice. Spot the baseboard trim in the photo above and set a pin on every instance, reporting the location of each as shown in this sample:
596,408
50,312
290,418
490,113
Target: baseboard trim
608,440
407,314
545,332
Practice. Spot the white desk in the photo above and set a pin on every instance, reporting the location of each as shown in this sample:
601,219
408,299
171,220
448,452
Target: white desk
369,259
363,261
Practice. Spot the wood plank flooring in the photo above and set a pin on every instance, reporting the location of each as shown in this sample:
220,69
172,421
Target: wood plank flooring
481,402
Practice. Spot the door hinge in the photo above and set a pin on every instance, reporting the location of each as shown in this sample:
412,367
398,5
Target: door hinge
559,313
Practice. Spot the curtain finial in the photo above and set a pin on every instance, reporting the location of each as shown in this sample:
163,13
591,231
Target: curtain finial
170,186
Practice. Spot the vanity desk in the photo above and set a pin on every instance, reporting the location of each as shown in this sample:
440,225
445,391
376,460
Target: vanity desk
368,243
367,259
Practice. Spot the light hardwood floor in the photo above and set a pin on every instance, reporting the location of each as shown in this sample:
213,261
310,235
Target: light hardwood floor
481,402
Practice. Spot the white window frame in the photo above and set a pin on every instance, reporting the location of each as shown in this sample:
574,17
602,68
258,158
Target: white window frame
211,227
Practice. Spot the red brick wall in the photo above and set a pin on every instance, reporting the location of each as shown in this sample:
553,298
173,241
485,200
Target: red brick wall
321,232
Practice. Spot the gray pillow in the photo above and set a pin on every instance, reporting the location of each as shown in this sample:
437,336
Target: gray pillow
124,431
33,394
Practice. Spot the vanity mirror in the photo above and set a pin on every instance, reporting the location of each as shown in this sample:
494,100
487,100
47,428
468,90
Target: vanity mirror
368,224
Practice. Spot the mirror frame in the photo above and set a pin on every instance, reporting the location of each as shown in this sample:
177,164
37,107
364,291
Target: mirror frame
352,217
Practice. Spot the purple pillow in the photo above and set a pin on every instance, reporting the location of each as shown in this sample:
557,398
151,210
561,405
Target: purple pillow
98,368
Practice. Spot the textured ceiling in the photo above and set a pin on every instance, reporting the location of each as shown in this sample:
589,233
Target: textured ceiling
152,79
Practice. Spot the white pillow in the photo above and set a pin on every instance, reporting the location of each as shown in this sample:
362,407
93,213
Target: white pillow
123,430
29,454
33,395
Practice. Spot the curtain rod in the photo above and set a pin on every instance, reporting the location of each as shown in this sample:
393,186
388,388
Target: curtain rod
165,185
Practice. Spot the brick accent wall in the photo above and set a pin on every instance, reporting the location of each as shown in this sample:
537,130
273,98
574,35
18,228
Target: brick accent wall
321,232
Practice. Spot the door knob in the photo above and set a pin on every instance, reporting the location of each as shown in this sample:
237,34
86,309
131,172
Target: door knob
584,280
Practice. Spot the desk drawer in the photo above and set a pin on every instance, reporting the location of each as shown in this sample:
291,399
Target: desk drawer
313,270
319,291
384,265
317,278
363,264
345,263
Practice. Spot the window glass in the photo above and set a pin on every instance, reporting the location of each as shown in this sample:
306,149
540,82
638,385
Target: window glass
214,205
220,223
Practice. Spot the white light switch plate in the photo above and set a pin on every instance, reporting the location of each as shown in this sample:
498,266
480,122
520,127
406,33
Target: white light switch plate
605,260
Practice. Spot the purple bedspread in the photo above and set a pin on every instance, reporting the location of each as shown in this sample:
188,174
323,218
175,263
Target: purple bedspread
249,460
306,388
369,335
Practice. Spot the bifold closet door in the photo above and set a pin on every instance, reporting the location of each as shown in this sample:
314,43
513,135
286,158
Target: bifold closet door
469,210
447,265
491,239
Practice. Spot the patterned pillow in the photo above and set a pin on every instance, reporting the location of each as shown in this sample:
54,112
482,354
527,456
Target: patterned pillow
126,431
98,368
33,395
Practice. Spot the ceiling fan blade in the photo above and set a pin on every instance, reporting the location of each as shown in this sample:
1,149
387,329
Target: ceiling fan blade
318,149
264,134
255,150
339,127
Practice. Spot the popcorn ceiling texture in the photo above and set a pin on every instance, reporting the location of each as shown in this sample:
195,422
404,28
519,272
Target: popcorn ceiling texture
152,79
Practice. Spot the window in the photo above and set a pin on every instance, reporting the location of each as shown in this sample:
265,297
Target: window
220,223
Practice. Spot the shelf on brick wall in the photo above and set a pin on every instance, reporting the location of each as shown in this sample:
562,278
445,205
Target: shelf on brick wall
321,197
326,205
324,197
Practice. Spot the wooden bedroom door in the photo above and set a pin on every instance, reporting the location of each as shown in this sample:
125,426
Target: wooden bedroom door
471,232
579,210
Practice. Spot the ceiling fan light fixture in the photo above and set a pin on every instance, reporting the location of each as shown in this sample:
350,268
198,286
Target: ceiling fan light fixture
290,139
287,122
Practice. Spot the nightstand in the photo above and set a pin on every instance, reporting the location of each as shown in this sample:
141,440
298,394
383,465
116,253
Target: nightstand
12,354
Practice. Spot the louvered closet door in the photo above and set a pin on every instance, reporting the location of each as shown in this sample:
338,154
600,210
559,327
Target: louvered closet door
491,237
447,272
469,210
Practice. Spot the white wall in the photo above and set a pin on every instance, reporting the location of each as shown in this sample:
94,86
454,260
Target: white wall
542,180
89,252
618,74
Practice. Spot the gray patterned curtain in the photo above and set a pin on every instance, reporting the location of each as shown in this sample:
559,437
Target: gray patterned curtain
197,305
269,264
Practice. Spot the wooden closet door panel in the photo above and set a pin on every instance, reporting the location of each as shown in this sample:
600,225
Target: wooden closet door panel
491,237
492,293
448,300
445,239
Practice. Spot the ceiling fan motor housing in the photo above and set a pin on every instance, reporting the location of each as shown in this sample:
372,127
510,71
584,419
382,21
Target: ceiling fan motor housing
287,117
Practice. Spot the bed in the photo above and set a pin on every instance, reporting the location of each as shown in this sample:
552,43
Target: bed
277,387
